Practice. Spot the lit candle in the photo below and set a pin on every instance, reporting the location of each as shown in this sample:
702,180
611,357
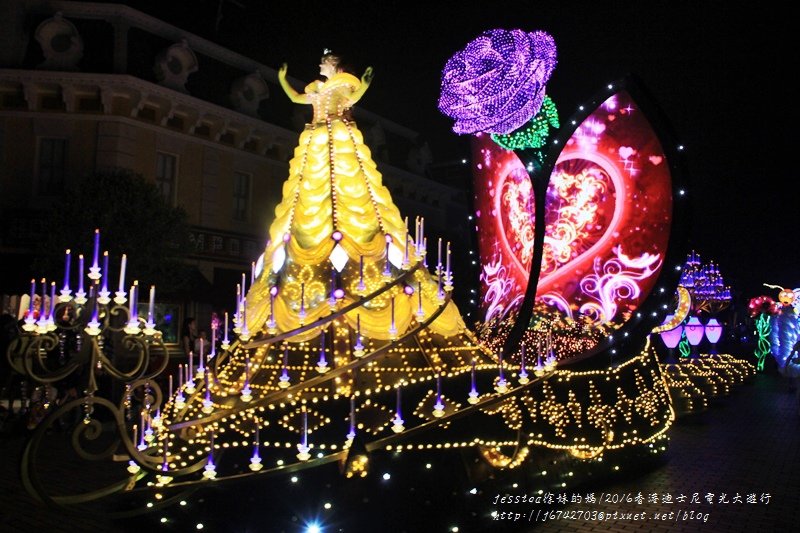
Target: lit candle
447,268
214,326
190,367
180,376
80,273
44,297
134,312
96,248
252,273
170,386
122,273
244,289
33,296
152,306
66,271
105,271
202,366
225,340
237,316
439,257
398,403
52,314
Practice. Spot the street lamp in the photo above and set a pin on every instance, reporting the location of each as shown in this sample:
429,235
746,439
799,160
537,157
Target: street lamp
694,333
671,338
713,333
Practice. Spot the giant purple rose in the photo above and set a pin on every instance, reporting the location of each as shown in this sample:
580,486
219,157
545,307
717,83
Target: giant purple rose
496,84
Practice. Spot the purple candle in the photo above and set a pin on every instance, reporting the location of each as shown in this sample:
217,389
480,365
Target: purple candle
52,301
44,297
80,272
105,271
33,295
96,248
134,311
66,271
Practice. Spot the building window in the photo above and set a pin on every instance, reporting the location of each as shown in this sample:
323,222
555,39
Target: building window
241,195
166,170
52,165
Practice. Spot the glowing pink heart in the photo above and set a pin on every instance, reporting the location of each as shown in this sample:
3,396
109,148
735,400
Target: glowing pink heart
625,152
656,159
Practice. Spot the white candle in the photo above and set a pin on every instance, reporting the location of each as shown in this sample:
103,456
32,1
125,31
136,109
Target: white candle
151,308
170,386
226,327
447,268
122,273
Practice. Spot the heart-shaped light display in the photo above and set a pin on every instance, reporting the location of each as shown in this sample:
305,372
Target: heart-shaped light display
608,216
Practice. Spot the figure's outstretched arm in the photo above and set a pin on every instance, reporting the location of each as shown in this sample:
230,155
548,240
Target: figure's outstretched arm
366,79
290,91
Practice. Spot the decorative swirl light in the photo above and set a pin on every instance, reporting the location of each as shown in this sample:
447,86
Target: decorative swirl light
615,280
496,83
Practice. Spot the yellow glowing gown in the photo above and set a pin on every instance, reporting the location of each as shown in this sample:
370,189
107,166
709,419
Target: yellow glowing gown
334,186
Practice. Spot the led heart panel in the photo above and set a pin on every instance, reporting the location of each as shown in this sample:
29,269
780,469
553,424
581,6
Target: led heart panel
608,216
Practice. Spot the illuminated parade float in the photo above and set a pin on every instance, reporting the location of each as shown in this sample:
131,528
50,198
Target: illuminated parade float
344,347
695,377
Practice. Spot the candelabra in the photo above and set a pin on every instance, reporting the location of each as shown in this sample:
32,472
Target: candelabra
84,341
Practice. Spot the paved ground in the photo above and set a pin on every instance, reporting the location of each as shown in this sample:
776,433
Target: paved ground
747,443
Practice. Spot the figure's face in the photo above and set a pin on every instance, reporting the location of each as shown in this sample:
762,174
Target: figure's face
786,297
327,68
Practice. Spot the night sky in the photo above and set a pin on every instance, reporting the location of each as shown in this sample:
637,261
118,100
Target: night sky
718,70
